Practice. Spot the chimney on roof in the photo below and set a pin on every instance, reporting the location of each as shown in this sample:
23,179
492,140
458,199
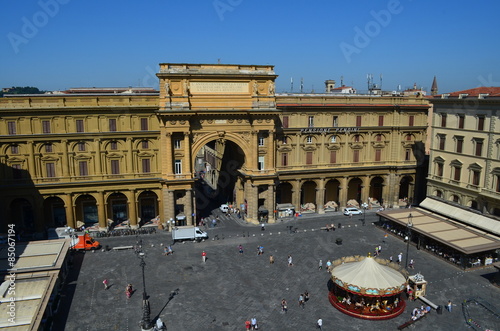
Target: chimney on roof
434,88
329,85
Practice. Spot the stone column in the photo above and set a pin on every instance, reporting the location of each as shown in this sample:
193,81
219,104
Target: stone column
320,197
31,160
251,194
38,214
393,194
365,190
132,208
187,157
65,161
168,206
343,192
254,155
167,156
188,210
101,211
70,211
271,152
296,192
129,157
297,150
271,202
98,159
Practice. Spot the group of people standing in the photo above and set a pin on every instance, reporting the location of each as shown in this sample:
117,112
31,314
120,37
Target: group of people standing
129,290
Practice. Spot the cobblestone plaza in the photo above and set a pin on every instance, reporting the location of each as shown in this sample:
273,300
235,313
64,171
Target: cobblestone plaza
230,288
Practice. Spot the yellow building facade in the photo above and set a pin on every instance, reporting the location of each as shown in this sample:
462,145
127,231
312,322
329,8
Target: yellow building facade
465,149
137,155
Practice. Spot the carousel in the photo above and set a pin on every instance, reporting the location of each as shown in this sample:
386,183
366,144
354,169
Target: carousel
367,287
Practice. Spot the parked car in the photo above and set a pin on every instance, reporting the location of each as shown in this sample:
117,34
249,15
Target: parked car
352,211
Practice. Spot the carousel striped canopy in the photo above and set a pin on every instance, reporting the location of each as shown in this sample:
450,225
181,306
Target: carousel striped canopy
368,274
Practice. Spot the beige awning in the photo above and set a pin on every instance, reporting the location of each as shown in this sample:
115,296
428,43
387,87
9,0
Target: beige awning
446,230
465,216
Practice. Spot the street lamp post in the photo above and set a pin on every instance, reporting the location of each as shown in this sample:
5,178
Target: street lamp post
146,324
364,205
408,237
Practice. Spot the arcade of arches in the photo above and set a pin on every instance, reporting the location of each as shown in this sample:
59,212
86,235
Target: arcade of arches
212,134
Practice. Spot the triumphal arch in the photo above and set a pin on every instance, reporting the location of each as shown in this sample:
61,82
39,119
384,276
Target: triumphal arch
226,113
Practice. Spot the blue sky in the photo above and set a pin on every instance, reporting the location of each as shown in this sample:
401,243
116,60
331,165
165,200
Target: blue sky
59,44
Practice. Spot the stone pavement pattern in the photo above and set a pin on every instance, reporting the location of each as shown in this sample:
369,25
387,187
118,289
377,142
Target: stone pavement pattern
230,288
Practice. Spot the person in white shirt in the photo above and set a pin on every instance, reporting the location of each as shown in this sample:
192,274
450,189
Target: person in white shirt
253,323
319,324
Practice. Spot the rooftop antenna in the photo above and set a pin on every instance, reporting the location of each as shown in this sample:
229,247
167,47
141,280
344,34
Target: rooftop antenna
341,81
291,84
369,78
381,82
301,84
218,61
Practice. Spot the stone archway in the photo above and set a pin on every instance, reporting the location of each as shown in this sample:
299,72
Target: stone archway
376,189
332,191
86,210
219,180
455,198
117,208
284,193
22,215
404,188
308,193
355,188
54,212
148,206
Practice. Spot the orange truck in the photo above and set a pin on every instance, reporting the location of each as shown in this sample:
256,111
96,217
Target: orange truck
84,243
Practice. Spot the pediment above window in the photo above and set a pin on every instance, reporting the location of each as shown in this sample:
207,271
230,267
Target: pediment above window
309,148
48,158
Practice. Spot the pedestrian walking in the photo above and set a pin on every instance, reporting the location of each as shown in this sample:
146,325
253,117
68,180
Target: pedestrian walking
290,261
385,237
319,324
240,248
248,325
301,301
306,296
253,322
271,259
328,265
262,227
105,282
284,306
411,264
320,265
350,215
204,256
128,291
390,258
448,306
400,258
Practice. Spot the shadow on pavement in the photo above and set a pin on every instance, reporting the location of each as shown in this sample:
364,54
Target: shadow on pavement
68,290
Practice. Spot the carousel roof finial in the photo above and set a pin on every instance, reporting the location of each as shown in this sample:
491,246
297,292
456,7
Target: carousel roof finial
369,254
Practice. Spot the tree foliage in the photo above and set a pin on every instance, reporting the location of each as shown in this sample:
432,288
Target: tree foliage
22,90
